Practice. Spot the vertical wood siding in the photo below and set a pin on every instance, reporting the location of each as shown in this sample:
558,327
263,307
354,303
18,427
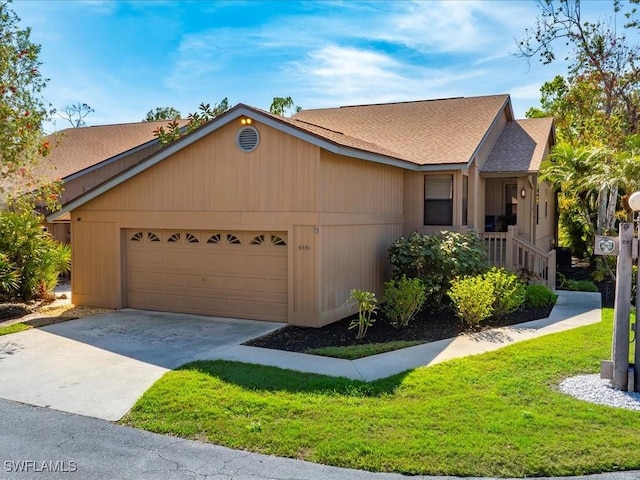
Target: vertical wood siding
214,175
356,186
96,261
353,256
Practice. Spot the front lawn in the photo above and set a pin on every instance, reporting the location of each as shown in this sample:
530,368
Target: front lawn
497,414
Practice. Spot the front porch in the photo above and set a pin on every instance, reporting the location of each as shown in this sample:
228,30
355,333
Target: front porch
508,250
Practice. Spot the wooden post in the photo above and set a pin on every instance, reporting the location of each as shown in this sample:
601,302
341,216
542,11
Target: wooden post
551,270
622,309
510,263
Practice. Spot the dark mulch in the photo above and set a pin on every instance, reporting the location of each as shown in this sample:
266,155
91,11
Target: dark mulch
9,311
428,326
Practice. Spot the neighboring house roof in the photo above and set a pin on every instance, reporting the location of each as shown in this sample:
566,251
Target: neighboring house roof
520,147
419,132
77,149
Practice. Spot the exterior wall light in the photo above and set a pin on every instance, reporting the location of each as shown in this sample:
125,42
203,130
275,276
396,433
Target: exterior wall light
246,121
523,193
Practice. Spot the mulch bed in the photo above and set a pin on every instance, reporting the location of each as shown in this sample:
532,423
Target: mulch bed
428,326
10,311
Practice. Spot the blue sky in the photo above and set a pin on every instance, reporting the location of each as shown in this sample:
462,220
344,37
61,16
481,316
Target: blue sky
125,58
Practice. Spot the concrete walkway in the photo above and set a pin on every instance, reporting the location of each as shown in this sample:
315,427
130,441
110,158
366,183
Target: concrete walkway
572,310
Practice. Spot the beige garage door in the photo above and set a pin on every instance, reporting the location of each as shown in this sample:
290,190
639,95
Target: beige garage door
230,274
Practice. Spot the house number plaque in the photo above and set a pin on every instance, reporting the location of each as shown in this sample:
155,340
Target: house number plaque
304,247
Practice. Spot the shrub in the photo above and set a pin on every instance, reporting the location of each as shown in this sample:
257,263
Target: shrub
367,305
8,276
472,299
509,290
539,296
34,255
581,285
438,259
403,298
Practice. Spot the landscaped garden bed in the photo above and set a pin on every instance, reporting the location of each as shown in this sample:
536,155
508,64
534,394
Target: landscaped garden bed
428,326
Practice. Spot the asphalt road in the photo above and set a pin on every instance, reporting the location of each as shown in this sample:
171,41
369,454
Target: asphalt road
40,443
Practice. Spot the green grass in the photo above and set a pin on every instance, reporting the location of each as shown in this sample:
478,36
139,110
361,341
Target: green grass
16,327
353,352
497,414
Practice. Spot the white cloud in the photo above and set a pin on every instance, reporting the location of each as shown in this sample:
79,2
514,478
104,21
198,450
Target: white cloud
337,75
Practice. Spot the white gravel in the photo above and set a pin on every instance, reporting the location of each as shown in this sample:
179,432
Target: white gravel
591,388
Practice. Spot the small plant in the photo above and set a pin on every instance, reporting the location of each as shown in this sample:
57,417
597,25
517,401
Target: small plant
472,299
367,305
538,295
508,289
403,298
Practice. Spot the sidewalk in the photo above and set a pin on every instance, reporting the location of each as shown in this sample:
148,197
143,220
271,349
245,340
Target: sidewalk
572,310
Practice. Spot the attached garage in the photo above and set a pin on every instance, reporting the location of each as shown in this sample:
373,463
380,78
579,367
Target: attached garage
229,274
249,216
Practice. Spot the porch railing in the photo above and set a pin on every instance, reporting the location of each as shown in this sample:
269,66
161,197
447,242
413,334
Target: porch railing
507,250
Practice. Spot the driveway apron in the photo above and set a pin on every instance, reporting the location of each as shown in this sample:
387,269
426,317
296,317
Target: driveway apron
99,366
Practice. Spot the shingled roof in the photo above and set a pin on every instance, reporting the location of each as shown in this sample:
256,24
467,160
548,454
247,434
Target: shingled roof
428,132
520,147
76,149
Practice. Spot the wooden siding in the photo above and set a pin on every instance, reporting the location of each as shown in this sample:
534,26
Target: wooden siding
353,256
96,260
214,175
349,185
546,228
303,290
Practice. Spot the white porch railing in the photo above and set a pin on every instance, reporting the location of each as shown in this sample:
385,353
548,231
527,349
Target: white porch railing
507,250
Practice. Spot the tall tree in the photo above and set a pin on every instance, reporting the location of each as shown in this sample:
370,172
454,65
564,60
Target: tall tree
162,113
595,106
604,59
75,114
280,106
22,108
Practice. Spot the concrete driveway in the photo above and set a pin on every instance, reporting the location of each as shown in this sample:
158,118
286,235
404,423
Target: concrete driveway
99,366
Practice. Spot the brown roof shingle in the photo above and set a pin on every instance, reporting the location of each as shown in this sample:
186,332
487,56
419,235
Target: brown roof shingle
428,132
520,147
75,149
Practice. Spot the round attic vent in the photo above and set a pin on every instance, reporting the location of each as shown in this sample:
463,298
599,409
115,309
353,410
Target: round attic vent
247,139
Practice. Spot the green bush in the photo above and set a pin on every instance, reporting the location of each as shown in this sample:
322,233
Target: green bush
438,259
472,299
8,275
581,286
539,296
403,298
509,291
35,257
